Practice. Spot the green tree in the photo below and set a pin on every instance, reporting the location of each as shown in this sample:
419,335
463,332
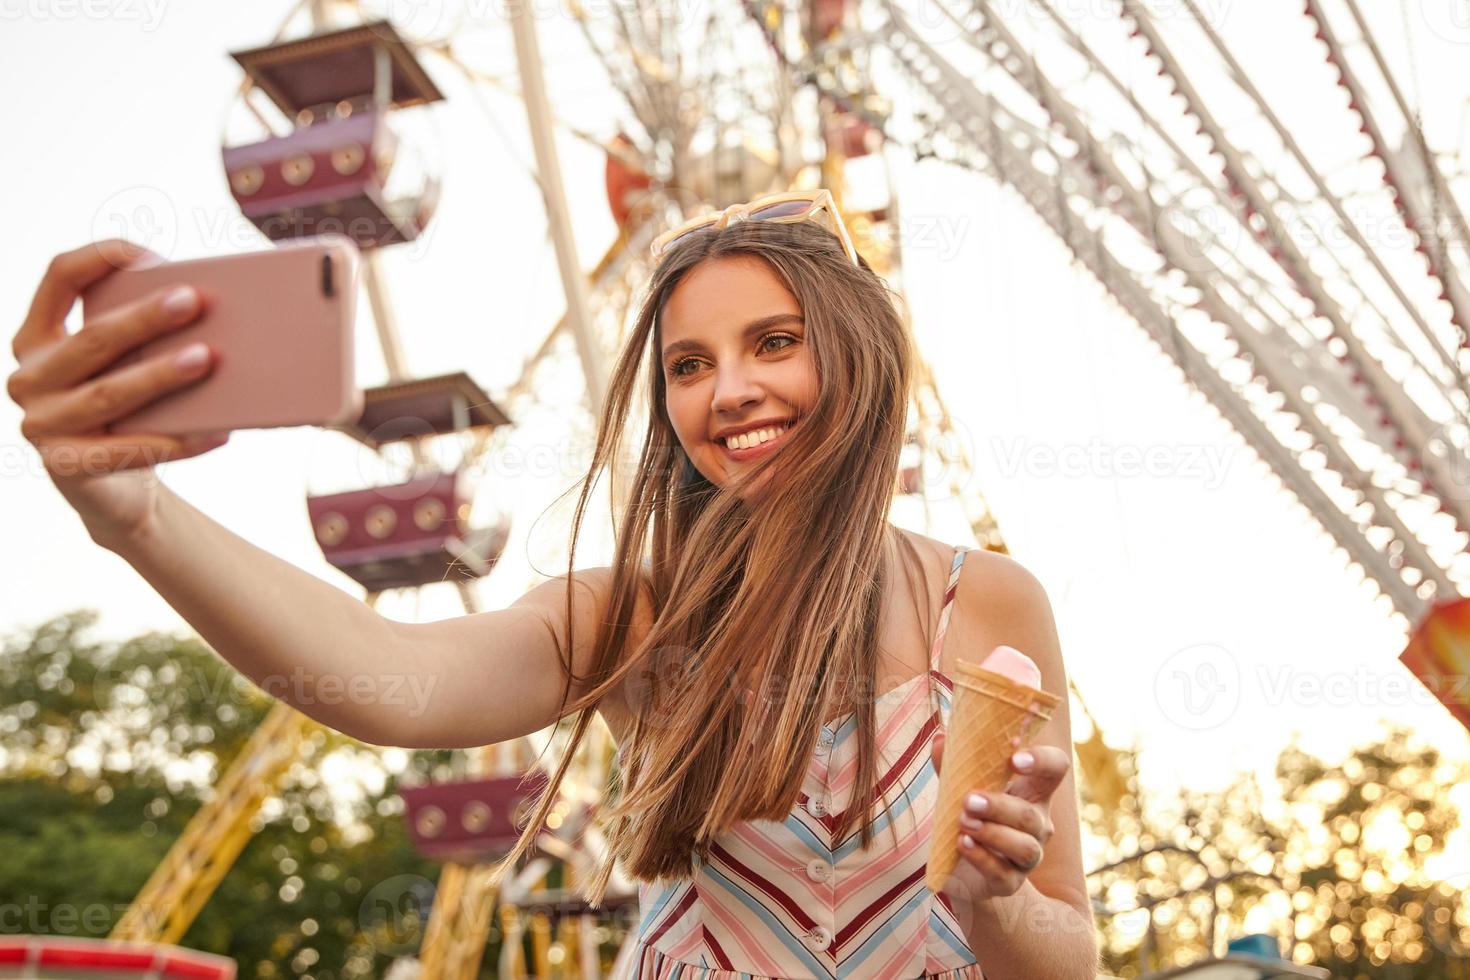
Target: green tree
1344,848
106,751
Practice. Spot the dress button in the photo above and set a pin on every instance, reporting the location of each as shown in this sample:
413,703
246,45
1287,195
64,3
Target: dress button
818,870
817,806
819,938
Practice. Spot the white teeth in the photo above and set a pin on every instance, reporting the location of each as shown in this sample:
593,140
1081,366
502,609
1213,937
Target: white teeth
748,439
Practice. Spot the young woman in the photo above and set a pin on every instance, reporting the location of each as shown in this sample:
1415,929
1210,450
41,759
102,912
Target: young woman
772,656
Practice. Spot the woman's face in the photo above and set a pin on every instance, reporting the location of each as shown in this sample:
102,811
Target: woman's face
735,362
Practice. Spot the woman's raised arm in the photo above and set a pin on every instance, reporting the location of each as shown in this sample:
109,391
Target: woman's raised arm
467,681
459,682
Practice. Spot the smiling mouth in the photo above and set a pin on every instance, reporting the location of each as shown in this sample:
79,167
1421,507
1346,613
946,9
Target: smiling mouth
751,451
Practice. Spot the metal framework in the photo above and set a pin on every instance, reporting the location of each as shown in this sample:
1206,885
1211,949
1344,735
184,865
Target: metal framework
1342,366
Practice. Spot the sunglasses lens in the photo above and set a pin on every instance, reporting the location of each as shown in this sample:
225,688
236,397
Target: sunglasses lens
784,209
698,229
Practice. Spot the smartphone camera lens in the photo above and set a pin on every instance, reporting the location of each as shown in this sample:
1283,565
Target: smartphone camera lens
328,287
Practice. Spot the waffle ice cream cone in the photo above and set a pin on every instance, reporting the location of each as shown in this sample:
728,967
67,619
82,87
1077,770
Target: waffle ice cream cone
993,715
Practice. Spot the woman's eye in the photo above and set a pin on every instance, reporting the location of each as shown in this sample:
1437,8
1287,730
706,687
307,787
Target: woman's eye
677,368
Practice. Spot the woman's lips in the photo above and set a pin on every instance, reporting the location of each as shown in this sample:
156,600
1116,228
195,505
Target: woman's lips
740,455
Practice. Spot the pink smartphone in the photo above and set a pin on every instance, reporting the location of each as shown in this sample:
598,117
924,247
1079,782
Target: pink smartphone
279,323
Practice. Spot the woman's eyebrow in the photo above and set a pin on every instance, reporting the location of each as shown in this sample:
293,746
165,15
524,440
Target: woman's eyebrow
754,326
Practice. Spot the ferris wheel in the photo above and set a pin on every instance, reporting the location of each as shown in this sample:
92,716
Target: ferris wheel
1239,248
1267,269
333,144
331,153
1340,362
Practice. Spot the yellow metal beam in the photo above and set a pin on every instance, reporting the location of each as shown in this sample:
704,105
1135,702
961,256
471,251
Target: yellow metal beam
214,838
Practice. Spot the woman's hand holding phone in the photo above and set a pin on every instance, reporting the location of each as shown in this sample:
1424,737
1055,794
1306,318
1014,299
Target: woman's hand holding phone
69,389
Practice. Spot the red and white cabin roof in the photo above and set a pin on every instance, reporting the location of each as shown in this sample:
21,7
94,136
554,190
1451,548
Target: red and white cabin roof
67,958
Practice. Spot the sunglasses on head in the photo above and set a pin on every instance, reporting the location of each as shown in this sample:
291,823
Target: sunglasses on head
786,207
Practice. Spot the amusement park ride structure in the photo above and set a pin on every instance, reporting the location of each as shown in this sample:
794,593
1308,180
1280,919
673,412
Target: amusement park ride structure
340,89
1301,361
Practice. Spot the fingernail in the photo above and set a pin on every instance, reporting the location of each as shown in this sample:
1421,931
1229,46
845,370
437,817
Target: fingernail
179,301
1022,760
977,803
206,440
967,840
191,357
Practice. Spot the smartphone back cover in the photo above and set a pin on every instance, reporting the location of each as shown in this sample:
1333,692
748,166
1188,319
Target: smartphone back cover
280,324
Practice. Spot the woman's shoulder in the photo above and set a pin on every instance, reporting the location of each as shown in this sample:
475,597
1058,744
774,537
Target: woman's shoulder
600,581
996,596
1001,601
991,571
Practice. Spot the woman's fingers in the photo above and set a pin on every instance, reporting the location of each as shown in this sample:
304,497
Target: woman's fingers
102,454
1001,876
89,407
89,351
1018,847
68,274
1038,781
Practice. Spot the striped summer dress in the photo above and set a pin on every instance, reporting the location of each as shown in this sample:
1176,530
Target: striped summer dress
790,900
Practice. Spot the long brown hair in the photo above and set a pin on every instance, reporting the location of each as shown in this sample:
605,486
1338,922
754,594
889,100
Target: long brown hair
765,612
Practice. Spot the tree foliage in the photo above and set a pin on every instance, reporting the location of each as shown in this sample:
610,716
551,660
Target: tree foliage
107,750
1335,862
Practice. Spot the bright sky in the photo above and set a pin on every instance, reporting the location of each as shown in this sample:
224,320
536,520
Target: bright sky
1191,574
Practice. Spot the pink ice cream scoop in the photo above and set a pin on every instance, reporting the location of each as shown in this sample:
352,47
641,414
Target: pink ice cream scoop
1014,665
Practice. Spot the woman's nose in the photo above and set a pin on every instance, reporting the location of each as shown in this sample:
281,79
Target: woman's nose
734,389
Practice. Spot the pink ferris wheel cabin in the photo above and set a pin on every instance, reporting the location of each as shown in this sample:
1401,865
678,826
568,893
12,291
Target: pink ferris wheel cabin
342,167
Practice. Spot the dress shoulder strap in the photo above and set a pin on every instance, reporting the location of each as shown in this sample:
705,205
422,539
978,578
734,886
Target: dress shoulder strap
950,588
